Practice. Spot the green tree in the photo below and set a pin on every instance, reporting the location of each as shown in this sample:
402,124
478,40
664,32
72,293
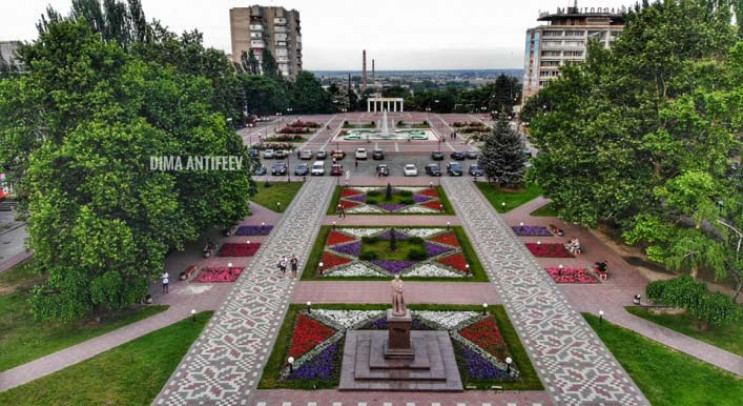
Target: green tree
264,94
502,157
269,66
249,63
308,96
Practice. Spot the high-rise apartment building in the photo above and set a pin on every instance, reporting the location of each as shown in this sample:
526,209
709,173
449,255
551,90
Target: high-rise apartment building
268,28
565,41
8,49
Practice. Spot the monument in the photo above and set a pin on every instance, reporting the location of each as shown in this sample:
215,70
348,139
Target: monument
399,359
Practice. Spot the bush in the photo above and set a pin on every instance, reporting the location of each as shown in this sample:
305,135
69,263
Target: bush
372,201
684,292
373,193
368,255
407,200
405,193
370,240
416,240
417,254
654,290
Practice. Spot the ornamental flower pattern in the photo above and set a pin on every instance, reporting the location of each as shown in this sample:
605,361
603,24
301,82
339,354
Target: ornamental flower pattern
307,335
531,231
572,275
358,200
230,249
254,230
218,274
551,250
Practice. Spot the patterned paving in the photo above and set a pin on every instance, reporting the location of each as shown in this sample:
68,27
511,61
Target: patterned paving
224,364
378,403
574,365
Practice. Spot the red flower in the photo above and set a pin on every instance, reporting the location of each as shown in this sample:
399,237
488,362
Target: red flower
337,238
219,274
571,275
347,192
307,335
551,250
433,204
238,249
486,335
447,238
347,204
430,192
456,261
330,260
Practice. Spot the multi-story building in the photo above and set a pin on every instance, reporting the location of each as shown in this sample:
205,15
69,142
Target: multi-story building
565,41
268,28
7,51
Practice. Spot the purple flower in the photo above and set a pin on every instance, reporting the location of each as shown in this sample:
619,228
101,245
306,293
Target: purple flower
357,198
421,198
254,230
388,234
353,249
435,249
531,231
381,324
391,207
481,369
321,367
394,267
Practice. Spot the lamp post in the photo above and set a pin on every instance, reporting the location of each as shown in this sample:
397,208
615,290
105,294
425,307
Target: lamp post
288,168
448,225
484,308
467,267
229,265
333,223
309,307
278,206
291,364
193,315
430,185
601,316
503,205
320,265
508,365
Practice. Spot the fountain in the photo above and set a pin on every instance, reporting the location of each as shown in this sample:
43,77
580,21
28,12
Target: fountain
386,135
385,126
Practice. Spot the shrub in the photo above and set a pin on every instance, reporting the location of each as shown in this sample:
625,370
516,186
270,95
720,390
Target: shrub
407,200
369,240
415,240
405,193
654,290
684,292
372,201
388,192
368,255
417,254
373,193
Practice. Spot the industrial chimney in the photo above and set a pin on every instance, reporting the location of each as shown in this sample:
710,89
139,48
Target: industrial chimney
363,73
374,79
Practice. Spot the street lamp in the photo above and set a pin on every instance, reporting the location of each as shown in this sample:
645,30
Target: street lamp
448,224
278,206
193,315
309,307
320,265
291,364
467,267
601,316
484,308
333,223
229,265
508,365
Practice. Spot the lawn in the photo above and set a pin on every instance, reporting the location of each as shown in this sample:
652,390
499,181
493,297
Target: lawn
665,376
270,378
729,338
277,192
131,374
512,199
548,210
23,339
406,249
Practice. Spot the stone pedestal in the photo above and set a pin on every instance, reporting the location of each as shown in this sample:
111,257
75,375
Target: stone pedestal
398,344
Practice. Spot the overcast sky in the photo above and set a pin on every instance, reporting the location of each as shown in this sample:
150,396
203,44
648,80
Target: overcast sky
399,34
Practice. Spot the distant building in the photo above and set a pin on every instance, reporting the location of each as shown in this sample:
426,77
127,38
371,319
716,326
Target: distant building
565,41
273,28
7,51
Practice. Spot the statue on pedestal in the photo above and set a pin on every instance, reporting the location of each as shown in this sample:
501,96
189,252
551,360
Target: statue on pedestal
398,302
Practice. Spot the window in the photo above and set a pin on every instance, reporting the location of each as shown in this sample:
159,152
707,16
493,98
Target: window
550,53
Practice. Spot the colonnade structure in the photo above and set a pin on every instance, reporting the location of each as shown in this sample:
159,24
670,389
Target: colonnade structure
384,103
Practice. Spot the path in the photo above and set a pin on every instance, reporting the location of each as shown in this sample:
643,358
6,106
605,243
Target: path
572,362
223,366
379,292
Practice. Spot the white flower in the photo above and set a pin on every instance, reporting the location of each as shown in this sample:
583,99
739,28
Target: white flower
433,270
361,232
348,319
418,209
364,208
447,320
414,189
355,269
367,189
422,232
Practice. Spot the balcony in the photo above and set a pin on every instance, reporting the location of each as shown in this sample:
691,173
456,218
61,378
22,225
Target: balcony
257,44
279,21
256,27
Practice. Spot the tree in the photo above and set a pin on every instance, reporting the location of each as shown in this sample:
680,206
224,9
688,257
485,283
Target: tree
269,66
249,63
393,240
264,95
388,193
502,157
308,96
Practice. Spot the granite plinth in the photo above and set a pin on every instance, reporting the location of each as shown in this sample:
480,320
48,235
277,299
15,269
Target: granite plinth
399,345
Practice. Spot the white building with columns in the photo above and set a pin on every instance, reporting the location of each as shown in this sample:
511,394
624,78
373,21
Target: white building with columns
374,104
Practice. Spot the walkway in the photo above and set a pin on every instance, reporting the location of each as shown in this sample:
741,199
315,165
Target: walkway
223,366
572,362
379,292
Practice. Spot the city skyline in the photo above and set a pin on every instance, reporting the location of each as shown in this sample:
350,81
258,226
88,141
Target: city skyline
481,35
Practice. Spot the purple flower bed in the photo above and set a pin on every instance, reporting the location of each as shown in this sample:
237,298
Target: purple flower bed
531,231
357,198
253,230
398,235
381,324
435,249
481,369
321,367
391,207
353,249
420,198
394,267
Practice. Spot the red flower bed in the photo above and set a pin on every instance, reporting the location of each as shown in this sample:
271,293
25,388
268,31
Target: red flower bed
433,204
307,335
447,238
347,192
456,261
238,249
294,130
331,260
572,275
337,238
218,274
347,204
548,250
430,192
486,335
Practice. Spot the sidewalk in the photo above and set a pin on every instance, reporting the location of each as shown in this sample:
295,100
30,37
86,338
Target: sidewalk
474,293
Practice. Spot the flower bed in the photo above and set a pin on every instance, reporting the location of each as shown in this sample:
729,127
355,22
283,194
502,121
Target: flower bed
456,261
218,275
531,231
254,230
307,335
405,200
238,249
485,334
572,275
552,250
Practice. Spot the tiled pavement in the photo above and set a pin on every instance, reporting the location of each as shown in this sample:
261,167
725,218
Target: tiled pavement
223,366
572,362
379,292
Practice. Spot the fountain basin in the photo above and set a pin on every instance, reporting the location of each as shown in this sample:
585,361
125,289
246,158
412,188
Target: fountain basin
397,135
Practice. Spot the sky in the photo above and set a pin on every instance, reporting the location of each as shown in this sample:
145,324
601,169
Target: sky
398,34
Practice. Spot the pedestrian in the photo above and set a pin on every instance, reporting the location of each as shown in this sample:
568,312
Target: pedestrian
294,263
282,266
299,153
357,164
339,209
165,282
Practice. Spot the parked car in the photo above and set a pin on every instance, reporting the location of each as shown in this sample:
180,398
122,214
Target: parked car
383,170
254,153
281,154
433,170
437,156
472,154
377,155
410,170
361,153
318,168
260,171
338,154
458,156
302,170
306,154
336,170
279,169
321,155
454,169
269,154
475,170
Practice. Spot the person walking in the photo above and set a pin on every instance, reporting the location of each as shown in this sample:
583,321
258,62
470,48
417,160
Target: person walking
343,212
282,266
357,164
165,282
294,263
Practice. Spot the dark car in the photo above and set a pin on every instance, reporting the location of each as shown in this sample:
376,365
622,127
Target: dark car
433,170
338,154
377,155
454,169
278,169
321,155
456,155
254,153
302,170
437,156
336,170
383,170
471,154
475,170
259,171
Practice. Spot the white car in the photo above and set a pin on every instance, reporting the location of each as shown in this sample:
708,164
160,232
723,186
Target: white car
318,168
361,153
268,154
410,170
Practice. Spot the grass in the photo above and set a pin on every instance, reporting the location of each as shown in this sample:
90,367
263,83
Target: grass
131,374
729,338
448,208
278,192
548,210
270,378
22,339
381,249
665,376
513,199
309,273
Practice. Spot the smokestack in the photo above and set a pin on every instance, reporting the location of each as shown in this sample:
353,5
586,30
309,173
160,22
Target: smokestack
363,71
374,80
